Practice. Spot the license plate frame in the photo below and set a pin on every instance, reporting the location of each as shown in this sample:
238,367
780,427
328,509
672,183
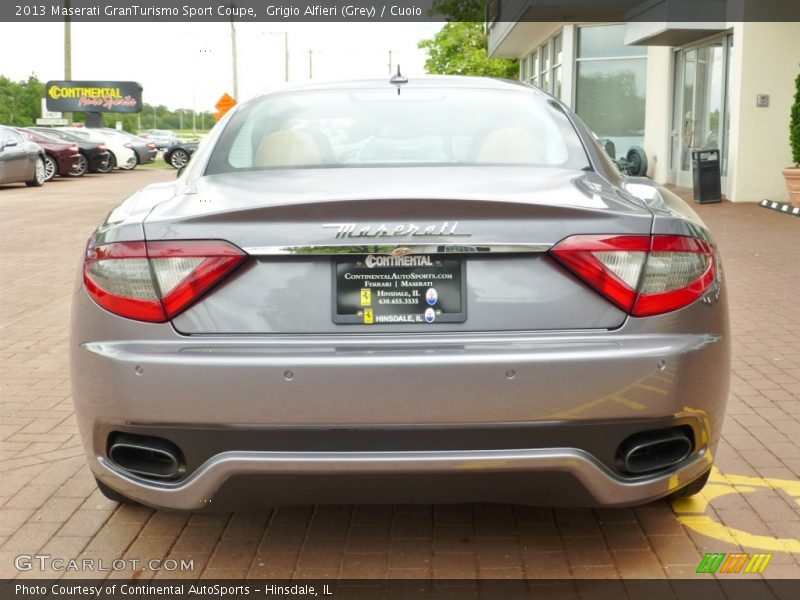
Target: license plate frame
399,308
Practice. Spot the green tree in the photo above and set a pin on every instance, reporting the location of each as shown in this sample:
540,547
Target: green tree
794,125
20,101
459,48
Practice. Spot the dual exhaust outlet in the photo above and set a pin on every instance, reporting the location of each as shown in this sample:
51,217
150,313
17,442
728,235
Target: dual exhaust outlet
656,450
147,456
640,454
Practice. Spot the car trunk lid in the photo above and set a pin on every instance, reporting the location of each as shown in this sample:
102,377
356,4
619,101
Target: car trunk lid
489,227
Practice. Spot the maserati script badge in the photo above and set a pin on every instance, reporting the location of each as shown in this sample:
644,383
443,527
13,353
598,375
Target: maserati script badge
355,230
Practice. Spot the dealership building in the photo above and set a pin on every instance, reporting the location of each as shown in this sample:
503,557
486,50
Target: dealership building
669,87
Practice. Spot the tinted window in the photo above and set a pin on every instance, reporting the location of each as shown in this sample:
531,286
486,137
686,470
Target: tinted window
378,127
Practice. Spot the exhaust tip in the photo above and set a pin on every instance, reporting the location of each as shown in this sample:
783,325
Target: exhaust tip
651,451
146,456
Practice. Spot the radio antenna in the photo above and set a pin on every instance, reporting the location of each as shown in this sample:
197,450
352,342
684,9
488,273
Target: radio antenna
398,79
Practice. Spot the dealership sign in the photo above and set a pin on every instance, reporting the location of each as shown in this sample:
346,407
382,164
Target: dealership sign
94,96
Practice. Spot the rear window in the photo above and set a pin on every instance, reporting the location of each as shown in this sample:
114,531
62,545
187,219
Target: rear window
378,127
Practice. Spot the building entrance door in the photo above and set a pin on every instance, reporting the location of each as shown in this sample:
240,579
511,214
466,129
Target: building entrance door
701,106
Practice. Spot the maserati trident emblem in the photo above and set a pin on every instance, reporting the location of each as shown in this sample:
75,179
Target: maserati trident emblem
356,230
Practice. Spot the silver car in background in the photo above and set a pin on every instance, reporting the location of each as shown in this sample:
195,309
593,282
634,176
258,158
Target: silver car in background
435,290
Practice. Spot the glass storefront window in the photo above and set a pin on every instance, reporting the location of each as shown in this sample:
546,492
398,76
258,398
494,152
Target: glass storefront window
558,50
611,100
610,85
606,41
701,113
557,85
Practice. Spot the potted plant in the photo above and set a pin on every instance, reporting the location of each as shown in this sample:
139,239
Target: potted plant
792,174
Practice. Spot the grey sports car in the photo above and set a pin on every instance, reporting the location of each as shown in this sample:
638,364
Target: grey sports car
427,290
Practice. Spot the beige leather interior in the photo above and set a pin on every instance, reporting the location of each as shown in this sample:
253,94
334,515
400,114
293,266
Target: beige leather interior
288,148
510,145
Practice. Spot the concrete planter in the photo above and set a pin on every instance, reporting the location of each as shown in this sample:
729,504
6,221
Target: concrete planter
792,176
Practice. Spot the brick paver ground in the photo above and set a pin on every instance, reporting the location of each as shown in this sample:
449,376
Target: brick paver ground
49,504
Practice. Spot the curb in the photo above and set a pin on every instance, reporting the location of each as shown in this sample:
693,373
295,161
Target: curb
781,207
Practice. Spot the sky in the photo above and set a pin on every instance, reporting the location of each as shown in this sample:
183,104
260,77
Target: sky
188,65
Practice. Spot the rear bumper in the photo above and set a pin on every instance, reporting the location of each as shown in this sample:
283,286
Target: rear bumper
67,163
98,160
149,377
147,156
581,480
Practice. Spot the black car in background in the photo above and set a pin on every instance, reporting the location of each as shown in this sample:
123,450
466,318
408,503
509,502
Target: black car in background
179,155
20,160
96,155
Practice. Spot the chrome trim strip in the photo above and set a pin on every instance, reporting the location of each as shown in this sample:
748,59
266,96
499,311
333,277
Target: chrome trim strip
397,249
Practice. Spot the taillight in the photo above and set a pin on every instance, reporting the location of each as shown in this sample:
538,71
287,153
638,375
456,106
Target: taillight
155,281
643,275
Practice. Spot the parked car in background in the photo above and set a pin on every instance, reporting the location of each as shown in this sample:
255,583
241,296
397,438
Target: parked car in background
122,153
21,160
163,138
60,158
145,150
179,155
435,289
95,155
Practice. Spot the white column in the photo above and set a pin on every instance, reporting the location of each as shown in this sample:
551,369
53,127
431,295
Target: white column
570,70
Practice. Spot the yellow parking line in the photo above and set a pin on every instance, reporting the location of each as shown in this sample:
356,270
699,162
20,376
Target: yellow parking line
692,512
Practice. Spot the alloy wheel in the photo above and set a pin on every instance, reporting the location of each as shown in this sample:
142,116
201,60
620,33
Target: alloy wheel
179,158
49,168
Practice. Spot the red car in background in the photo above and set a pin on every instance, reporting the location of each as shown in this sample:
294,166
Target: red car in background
61,158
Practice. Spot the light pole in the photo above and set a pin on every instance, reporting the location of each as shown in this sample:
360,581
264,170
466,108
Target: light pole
285,35
233,59
68,52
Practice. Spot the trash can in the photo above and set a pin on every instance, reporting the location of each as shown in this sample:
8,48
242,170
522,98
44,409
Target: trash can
706,174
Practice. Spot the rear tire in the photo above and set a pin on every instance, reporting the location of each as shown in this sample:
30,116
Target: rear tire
178,158
38,174
112,494
50,167
107,169
80,167
693,488
131,166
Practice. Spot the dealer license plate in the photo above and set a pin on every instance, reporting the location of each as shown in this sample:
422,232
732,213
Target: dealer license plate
396,290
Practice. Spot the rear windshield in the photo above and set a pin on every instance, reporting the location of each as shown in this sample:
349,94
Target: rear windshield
378,127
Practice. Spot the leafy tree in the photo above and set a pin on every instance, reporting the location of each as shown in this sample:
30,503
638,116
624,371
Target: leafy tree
20,101
794,126
460,49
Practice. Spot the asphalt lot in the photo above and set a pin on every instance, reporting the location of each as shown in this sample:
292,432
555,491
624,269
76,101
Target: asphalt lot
49,504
